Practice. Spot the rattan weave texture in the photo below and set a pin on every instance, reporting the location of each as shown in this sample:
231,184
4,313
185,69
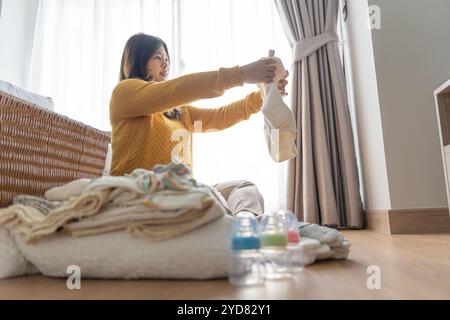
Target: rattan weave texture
41,149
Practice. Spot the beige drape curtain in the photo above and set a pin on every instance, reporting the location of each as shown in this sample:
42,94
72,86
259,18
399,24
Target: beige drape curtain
323,184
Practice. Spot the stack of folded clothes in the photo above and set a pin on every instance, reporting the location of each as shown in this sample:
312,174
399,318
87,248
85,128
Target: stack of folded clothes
158,204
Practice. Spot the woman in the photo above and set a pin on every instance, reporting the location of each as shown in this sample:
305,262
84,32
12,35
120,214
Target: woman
152,121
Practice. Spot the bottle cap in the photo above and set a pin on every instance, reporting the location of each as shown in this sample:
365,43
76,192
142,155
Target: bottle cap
245,234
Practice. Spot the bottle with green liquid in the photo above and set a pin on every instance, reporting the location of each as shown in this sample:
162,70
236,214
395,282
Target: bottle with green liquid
274,242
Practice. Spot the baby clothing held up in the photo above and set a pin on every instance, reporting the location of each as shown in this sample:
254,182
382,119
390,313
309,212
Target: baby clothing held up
279,122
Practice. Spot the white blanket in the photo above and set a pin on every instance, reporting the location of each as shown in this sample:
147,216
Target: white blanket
13,263
200,254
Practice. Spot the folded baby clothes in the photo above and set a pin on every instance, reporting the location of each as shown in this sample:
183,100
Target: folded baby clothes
168,195
279,122
175,176
144,225
313,250
310,248
32,223
162,215
338,246
40,204
325,235
71,189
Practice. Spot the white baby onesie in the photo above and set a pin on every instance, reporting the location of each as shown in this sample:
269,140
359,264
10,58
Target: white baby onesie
279,122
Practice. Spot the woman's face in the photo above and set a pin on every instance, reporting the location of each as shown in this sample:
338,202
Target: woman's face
158,65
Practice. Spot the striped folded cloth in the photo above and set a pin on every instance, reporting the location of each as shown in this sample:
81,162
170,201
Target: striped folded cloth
42,205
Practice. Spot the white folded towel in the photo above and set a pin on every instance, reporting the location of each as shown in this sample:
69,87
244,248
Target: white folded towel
68,190
314,251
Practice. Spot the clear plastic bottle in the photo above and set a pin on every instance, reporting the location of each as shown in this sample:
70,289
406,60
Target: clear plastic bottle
296,254
245,266
274,241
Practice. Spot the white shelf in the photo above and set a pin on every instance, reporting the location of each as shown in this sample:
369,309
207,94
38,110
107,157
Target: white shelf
442,100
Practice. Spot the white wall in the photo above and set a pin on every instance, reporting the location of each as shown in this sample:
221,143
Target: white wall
16,38
395,71
412,59
365,105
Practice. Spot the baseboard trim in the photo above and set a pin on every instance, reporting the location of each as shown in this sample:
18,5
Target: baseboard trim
378,220
409,221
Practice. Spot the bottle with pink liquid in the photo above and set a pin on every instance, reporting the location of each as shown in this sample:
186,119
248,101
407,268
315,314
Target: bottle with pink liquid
296,254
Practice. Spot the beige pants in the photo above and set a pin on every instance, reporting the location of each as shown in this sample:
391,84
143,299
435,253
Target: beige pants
240,195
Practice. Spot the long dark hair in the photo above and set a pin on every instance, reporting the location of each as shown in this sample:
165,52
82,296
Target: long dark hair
138,50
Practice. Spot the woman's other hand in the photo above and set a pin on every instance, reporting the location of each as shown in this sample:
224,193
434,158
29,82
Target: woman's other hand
261,71
282,84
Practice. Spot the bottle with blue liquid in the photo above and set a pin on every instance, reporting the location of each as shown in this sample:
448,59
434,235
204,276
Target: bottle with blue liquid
245,265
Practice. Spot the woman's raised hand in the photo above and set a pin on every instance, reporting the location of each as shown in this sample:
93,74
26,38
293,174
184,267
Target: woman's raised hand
261,71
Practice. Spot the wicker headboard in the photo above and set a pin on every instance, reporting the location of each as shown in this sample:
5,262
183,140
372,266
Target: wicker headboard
40,149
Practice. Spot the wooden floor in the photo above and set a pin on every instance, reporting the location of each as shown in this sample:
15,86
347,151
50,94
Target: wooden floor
412,267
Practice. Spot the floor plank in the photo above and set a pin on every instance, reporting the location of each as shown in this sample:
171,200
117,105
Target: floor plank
412,267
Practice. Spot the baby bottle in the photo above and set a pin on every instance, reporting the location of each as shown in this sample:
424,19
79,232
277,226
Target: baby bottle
296,254
245,266
274,241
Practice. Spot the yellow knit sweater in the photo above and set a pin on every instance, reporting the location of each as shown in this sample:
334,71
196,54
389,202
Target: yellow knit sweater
143,137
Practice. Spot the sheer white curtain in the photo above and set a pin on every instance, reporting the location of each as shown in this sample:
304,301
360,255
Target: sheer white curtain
226,33
76,58
78,46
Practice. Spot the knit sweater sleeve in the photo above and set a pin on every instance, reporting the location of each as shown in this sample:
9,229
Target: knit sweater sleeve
135,97
224,117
